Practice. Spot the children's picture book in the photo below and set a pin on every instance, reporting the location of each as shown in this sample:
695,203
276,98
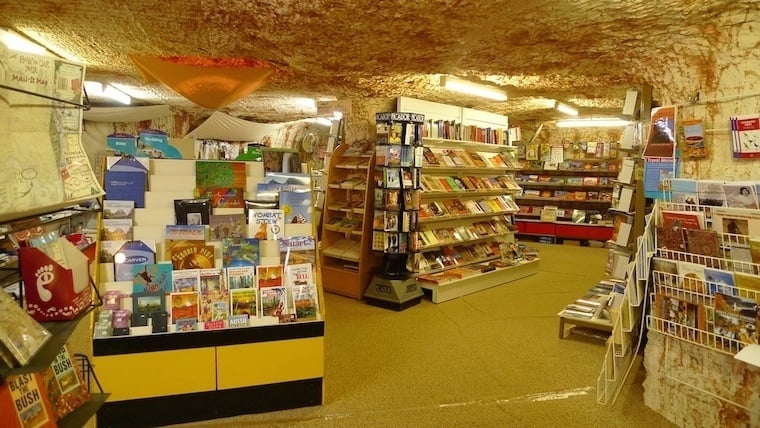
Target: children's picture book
296,206
720,281
154,277
132,253
298,249
192,255
184,305
241,277
186,280
266,223
186,324
273,301
224,197
299,274
192,211
223,226
219,174
212,280
214,306
243,302
305,302
240,252
113,209
269,276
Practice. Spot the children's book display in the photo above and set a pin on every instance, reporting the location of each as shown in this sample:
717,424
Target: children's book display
223,264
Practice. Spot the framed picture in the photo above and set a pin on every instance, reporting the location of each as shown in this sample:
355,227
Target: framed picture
148,302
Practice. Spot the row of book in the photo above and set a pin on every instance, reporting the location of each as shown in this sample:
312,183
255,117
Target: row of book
467,183
595,303
451,256
570,165
734,194
399,156
559,179
212,298
457,207
468,159
430,236
452,130
568,195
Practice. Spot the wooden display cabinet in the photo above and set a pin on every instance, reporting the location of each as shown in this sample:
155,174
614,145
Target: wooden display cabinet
347,260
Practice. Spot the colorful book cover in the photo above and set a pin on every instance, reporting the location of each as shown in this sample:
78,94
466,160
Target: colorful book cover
132,253
146,303
66,387
720,281
298,249
223,197
212,280
305,302
299,274
748,285
116,229
296,207
188,324
149,278
692,276
240,252
266,223
735,318
223,226
241,277
192,255
184,305
186,280
24,402
214,306
243,302
219,174
126,186
185,232
273,301
269,276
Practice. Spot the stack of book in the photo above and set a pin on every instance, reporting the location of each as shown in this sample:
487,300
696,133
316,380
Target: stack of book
592,305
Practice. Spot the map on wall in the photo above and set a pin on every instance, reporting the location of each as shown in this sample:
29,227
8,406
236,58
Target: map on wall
43,162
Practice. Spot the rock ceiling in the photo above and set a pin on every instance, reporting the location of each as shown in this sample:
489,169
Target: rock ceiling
585,52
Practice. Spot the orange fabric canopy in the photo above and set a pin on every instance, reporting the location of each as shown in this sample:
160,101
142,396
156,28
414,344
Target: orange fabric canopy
210,83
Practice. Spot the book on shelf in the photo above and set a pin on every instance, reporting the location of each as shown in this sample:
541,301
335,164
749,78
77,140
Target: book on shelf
683,219
186,280
735,221
305,302
298,275
692,276
240,252
152,277
710,192
192,211
298,249
274,301
117,209
243,301
735,319
192,255
703,242
214,308
67,389
683,317
226,226
266,223
740,194
269,276
116,229
25,402
240,277
184,305
720,281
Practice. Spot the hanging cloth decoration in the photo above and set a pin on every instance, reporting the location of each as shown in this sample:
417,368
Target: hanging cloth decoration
208,82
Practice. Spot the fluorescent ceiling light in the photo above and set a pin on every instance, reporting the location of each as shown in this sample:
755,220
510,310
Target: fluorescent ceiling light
18,43
115,94
93,88
566,108
455,84
593,123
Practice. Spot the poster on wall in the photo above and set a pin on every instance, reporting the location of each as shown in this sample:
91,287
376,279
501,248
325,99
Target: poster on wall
43,162
662,133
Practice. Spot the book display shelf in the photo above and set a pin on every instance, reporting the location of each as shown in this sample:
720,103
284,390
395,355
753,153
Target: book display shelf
466,234
347,259
568,199
41,343
235,299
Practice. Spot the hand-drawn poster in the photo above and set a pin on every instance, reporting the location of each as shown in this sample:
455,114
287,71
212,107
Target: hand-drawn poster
45,165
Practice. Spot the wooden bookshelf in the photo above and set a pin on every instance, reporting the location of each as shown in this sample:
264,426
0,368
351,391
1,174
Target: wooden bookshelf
347,261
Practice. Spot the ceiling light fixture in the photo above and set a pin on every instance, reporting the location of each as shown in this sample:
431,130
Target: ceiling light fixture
458,85
566,108
597,122
97,89
16,42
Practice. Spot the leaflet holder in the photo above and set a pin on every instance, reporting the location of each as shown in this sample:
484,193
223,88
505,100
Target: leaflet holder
54,292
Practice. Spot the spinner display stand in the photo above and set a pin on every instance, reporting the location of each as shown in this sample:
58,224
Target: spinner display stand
398,157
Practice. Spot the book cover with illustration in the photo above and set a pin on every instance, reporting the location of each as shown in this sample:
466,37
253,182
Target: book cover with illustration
266,223
211,174
241,277
66,386
299,274
298,249
132,253
720,281
24,402
214,307
116,229
149,278
113,209
226,226
184,305
269,276
240,252
274,301
192,255
735,318
212,279
305,302
223,197
296,206
703,242
243,302
186,280
192,211
692,276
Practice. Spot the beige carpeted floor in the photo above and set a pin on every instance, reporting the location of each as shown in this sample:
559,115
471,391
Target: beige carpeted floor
490,359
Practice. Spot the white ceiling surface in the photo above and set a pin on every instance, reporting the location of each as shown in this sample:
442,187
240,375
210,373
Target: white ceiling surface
585,52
